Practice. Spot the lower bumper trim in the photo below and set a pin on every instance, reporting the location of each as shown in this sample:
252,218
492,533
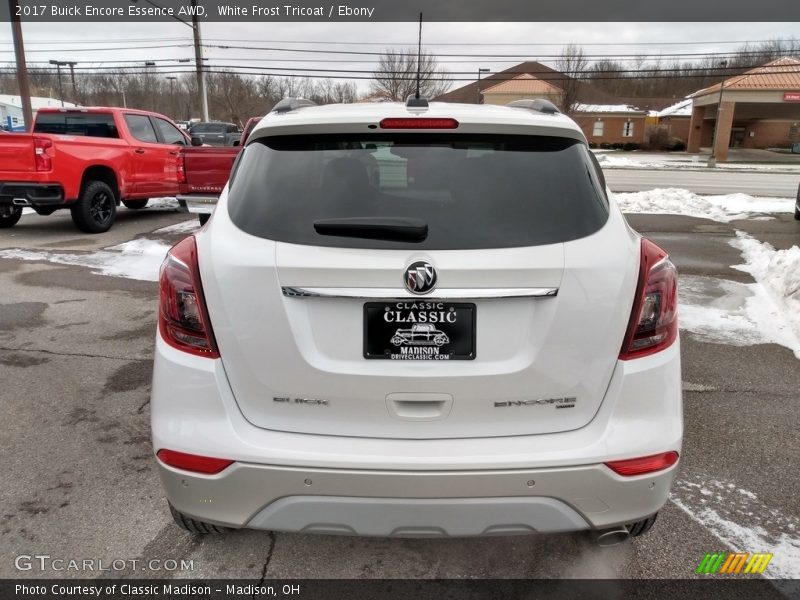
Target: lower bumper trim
403,517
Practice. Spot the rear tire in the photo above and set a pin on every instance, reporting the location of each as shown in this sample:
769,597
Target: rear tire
96,209
135,204
203,218
194,526
641,527
9,216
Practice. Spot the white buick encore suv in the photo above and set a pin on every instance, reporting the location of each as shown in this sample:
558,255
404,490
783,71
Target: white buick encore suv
293,392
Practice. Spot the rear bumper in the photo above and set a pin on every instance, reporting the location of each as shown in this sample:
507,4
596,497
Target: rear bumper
197,204
25,193
421,503
367,486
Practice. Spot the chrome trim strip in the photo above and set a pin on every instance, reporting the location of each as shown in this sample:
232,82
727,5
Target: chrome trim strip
440,293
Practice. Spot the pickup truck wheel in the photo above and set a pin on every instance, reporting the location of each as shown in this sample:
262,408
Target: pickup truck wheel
96,209
9,215
135,204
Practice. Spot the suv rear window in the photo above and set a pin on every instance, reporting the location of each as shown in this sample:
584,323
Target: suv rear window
86,124
473,191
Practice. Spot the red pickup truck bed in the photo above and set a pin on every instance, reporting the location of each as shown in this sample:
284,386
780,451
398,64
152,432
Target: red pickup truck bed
206,171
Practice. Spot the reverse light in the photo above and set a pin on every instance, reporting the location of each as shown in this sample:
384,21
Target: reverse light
42,159
645,464
183,318
193,462
418,123
653,324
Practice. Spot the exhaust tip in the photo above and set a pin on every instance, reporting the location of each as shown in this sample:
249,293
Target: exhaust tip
612,537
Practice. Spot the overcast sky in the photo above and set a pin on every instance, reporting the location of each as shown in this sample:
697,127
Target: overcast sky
45,41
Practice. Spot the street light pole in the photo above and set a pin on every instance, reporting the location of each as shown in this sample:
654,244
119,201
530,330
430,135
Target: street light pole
172,79
478,91
22,69
712,160
60,88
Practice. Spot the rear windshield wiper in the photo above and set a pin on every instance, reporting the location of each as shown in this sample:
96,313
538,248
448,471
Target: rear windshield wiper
402,229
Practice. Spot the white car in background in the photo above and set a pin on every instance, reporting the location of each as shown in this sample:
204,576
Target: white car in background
280,402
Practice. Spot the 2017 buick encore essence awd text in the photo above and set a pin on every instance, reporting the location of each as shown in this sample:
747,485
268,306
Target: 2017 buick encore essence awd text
417,320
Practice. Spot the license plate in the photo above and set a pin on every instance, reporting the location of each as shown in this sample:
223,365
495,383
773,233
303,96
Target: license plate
419,330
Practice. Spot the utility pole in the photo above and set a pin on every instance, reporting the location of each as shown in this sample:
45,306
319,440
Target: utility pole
198,60
58,64
22,68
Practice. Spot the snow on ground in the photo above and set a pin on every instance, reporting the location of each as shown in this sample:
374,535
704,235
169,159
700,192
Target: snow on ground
778,271
678,201
614,159
185,227
741,521
137,259
728,312
742,314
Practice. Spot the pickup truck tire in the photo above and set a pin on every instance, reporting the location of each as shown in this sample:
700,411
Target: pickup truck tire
9,216
135,204
96,208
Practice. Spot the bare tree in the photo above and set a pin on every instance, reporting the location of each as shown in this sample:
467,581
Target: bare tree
396,76
572,63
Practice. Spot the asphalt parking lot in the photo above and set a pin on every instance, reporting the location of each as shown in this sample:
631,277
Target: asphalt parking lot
79,478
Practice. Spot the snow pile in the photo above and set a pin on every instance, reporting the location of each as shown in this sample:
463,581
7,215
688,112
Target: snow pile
137,259
777,270
677,201
728,312
611,161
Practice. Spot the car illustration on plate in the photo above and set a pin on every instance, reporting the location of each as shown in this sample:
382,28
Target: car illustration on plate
420,334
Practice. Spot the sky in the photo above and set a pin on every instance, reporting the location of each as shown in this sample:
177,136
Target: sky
88,43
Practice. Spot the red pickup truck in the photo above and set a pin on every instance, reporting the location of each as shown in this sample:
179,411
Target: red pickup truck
205,172
89,160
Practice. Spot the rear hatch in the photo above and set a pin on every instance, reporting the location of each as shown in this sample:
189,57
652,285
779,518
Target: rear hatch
311,265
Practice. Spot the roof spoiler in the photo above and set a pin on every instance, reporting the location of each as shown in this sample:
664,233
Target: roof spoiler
290,104
539,105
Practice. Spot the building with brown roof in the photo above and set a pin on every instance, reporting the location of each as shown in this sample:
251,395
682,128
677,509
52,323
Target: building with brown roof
757,109
585,92
522,87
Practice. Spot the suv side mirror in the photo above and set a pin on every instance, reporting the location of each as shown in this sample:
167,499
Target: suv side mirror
197,140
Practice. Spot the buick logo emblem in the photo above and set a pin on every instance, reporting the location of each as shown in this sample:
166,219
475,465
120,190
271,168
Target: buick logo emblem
420,277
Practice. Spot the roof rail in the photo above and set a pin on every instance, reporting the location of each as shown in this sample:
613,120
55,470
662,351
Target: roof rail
290,104
539,105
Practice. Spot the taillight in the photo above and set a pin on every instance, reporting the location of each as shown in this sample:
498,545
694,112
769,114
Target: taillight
193,462
653,325
418,123
180,168
183,318
41,157
645,464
